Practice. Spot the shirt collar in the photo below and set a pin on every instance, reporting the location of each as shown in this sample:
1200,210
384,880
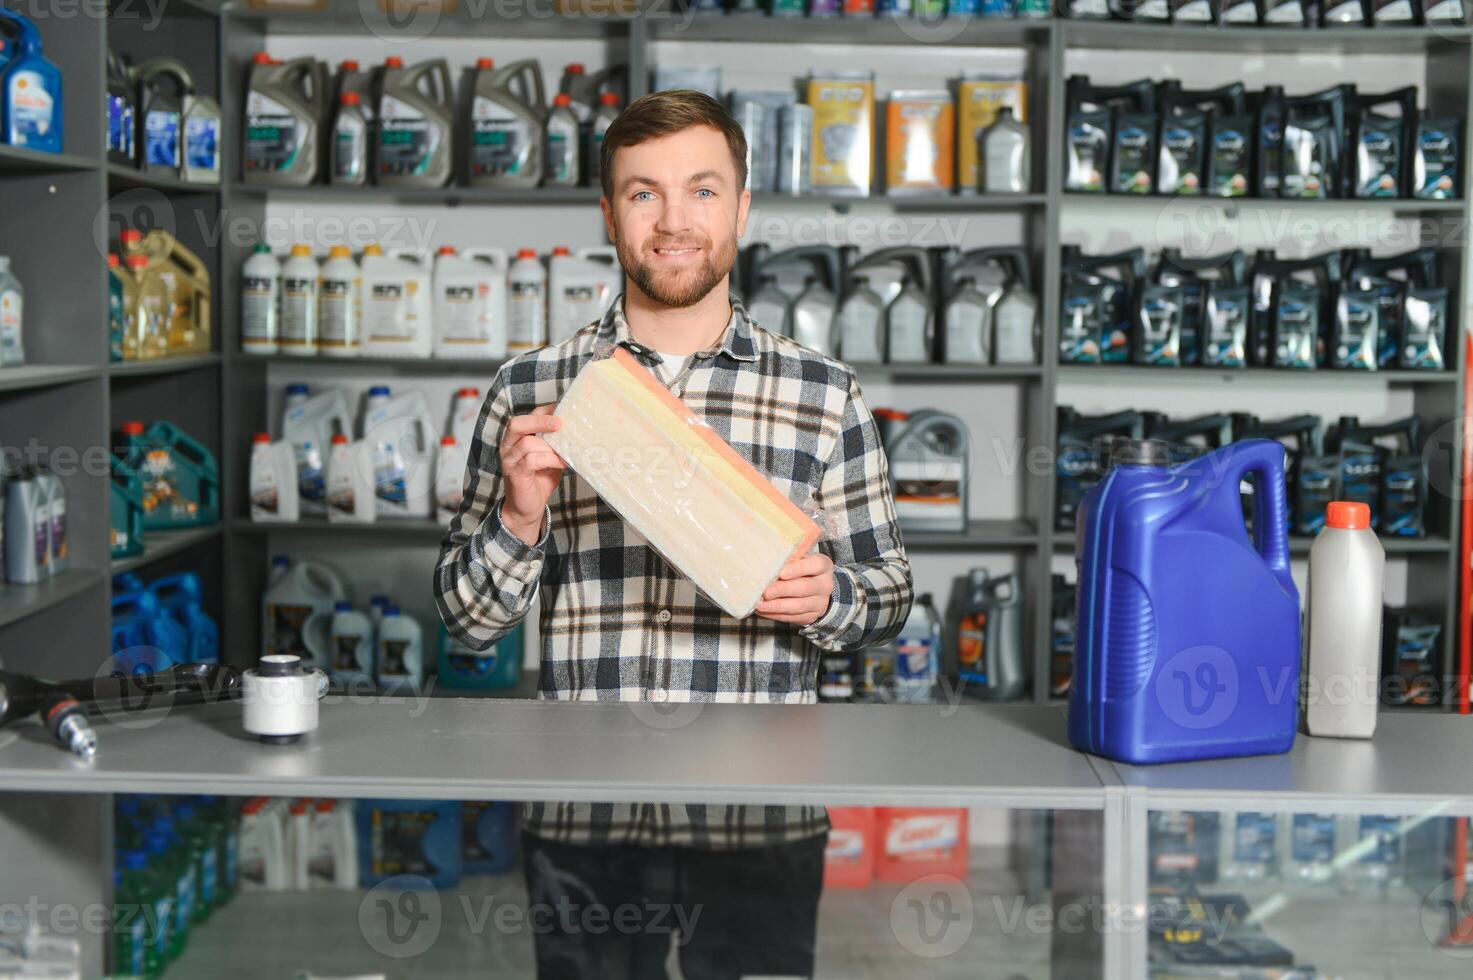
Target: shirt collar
737,342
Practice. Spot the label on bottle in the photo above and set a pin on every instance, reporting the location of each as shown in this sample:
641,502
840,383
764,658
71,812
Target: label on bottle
32,109
202,143
275,137
462,309
501,140
335,307
161,138
407,140
349,149
526,316
12,346
298,311
265,494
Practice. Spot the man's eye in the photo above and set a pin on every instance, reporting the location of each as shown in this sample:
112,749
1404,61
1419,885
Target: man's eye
705,192
644,196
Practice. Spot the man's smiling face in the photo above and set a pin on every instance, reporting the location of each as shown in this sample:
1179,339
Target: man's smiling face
676,213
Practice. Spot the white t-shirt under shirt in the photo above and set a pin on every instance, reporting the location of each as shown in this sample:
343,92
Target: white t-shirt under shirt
672,364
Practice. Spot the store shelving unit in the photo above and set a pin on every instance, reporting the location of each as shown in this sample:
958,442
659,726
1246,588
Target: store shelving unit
1030,537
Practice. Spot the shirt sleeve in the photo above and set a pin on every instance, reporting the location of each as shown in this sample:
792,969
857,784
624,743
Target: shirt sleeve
486,577
872,579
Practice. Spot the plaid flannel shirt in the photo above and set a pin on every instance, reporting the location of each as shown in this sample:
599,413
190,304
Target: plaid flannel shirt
619,623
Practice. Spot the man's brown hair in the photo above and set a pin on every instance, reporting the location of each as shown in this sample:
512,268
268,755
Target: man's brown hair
663,113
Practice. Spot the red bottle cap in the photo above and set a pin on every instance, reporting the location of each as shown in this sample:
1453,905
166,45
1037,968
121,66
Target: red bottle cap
1348,514
132,428
574,68
128,236
447,249
112,260
485,64
338,439
447,440
393,61
348,64
350,98
258,438
468,392
562,98
261,58
560,250
609,98
526,253
323,806
137,262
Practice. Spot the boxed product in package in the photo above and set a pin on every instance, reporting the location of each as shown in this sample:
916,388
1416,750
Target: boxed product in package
913,842
849,856
978,97
698,503
842,156
919,135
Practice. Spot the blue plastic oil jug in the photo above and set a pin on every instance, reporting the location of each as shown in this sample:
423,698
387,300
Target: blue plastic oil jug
181,596
420,839
181,483
30,103
144,639
1187,642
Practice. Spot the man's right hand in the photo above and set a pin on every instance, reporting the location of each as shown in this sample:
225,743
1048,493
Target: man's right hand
530,470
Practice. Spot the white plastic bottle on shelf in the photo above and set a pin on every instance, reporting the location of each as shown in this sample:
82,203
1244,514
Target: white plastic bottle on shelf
564,161
526,303
337,305
465,415
470,302
397,309
404,450
449,479
299,276
1346,567
299,842
333,862
12,320
352,636
273,480
262,847
400,653
350,482
260,302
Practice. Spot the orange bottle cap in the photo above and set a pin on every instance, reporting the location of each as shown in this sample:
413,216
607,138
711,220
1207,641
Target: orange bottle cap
1348,514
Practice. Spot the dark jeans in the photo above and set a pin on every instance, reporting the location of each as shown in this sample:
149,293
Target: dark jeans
608,911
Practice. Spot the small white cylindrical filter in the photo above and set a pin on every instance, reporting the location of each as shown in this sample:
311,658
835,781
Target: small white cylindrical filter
260,302
526,303
1346,570
279,699
337,304
299,277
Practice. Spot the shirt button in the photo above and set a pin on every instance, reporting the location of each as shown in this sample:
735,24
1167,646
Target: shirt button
661,696
663,616
675,391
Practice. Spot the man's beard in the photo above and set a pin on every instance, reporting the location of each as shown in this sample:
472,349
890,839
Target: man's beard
686,287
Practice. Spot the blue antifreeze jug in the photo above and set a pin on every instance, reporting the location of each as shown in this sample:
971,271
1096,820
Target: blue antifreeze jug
1187,642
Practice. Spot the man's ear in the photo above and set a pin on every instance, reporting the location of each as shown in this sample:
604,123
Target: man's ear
610,228
744,204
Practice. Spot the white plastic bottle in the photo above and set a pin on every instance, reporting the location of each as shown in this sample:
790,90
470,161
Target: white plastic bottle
526,320
400,653
465,413
403,442
470,302
350,482
12,319
608,111
262,847
1346,567
580,287
397,309
563,162
334,859
449,479
352,635
299,302
260,302
273,480
299,843
337,304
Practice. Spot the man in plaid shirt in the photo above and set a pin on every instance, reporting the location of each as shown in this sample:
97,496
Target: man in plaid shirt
618,623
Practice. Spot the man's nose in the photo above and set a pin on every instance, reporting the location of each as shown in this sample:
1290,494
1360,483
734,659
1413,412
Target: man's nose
673,217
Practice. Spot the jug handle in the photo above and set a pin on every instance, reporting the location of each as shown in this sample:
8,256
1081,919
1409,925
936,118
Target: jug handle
446,92
1270,501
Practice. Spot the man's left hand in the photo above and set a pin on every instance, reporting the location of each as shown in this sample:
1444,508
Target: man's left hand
800,593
